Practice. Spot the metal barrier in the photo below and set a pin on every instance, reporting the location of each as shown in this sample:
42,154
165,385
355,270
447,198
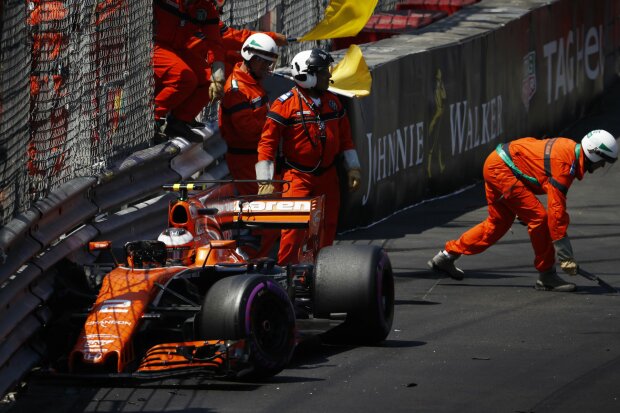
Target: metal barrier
124,203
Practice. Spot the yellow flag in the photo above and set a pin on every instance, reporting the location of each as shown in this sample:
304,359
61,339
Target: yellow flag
351,75
343,18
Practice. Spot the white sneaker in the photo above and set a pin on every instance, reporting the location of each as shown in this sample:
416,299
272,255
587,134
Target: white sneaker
441,262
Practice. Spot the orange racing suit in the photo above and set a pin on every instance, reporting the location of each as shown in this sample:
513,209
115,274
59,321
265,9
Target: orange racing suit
184,34
514,173
311,138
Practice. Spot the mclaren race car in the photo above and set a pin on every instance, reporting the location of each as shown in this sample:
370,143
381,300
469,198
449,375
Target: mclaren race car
193,302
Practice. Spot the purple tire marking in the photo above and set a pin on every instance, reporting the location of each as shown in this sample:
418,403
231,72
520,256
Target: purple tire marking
248,306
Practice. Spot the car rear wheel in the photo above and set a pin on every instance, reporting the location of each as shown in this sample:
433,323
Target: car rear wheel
357,280
255,308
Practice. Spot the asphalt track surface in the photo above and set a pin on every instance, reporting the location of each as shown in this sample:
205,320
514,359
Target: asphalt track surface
489,343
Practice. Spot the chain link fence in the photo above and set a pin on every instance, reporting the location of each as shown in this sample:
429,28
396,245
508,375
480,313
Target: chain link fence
14,104
76,83
291,17
76,92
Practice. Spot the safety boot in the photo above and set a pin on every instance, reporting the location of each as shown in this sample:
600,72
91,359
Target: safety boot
201,129
551,281
176,127
441,262
159,136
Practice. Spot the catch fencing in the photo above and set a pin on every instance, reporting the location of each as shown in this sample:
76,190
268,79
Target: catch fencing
76,92
291,17
76,84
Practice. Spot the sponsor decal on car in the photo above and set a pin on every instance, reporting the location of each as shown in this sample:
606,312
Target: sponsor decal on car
274,206
92,356
98,345
108,321
115,306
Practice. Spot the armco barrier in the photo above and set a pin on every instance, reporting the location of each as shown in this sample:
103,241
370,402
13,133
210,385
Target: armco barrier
215,149
141,221
68,246
25,315
130,183
64,209
20,309
22,360
120,205
16,247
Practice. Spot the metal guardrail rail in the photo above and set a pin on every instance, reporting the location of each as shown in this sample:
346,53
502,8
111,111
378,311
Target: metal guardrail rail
124,202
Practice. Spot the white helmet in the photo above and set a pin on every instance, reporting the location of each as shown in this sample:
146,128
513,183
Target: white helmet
306,64
179,244
261,45
600,145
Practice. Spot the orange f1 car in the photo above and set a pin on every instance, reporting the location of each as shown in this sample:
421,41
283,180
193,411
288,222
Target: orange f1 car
192,302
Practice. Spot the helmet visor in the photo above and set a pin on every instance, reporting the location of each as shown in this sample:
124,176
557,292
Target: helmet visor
177,253
263,54
602,154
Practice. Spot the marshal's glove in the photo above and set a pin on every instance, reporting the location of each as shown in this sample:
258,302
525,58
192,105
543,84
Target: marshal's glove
564,250
216,91
355,178
264,170
352,165
216,88
570,267
265,189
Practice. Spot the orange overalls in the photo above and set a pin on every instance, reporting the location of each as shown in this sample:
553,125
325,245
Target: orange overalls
310,145
513,174
184,34
243,111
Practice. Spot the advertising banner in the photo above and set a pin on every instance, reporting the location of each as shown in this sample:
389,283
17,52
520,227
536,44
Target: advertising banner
438,109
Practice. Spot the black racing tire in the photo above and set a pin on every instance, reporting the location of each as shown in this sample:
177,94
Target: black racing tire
357,280
255,308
